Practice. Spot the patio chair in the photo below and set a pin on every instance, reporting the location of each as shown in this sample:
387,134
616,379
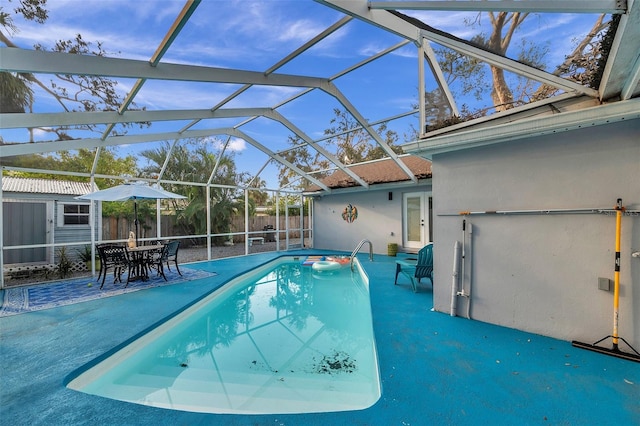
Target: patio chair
158,259
172,254
116,257
415,270
104,263
99,250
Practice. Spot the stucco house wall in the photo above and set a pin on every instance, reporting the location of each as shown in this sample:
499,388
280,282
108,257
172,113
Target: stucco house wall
379,219
540,272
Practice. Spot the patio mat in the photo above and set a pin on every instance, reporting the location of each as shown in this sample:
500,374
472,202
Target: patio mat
20,300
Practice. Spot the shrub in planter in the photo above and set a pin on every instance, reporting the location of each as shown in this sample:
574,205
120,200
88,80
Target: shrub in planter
85,255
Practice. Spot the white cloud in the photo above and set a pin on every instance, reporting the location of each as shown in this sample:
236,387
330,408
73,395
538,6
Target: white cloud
235,145
301,31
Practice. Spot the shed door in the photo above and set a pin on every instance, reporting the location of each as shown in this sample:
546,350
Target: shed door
24,224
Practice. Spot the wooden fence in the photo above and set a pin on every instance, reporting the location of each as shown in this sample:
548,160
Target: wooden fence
119,228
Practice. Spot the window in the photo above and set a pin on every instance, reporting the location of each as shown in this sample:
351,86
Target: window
75,214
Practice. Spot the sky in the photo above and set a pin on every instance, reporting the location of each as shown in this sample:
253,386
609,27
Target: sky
255,35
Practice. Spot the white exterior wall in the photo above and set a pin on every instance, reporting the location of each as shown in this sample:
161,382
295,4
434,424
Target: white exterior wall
378,217
539,273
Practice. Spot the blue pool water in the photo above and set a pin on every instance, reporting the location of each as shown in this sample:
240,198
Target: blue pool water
282,339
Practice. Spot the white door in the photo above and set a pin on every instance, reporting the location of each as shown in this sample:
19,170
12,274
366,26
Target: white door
416,219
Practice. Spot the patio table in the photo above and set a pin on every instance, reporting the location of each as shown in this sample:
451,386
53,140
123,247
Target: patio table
140,257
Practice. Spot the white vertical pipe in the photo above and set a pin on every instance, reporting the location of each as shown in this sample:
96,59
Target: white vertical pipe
468,293
208,196
454,280
301,221
158,220
286,223
246,222
93,217
277,220
463,260
421,89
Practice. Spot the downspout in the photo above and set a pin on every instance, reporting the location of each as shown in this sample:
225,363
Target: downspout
463,267
462,261
454,280
467,294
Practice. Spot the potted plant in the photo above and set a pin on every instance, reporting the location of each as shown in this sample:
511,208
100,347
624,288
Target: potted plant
85,255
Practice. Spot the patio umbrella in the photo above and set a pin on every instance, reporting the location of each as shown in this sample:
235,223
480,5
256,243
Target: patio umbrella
131,191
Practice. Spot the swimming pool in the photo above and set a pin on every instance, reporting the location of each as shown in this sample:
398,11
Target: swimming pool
284,338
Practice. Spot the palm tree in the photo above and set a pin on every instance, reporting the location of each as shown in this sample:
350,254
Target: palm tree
193,162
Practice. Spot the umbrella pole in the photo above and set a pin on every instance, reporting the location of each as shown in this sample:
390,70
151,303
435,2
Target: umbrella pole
135,221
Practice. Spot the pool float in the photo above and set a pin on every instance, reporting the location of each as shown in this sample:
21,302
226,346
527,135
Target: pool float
325,265
342,260
310,260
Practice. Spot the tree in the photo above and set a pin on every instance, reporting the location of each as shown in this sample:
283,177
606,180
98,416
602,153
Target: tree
349,142
15,95
579,66
504,25
80,161
586,63
258,198
193,162
72,92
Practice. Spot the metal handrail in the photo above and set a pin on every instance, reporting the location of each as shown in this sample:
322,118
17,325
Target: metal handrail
353,254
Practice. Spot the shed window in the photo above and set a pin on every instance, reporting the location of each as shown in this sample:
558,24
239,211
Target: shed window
75,214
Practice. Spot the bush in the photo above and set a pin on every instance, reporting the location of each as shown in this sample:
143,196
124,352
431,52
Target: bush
85,253
63,268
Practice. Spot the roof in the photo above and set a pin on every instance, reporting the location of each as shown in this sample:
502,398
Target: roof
44,186
378,172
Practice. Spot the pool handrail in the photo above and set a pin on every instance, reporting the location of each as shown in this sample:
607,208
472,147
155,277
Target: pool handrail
353,254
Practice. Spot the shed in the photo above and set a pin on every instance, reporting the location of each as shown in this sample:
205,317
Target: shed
42,213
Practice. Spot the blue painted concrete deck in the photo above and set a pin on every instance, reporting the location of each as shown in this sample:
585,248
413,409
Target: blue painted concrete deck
435,369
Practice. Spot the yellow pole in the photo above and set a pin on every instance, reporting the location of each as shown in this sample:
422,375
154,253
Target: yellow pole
616,274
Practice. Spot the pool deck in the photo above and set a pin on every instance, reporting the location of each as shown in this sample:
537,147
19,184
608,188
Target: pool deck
435,369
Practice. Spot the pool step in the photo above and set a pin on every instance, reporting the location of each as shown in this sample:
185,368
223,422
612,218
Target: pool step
196,390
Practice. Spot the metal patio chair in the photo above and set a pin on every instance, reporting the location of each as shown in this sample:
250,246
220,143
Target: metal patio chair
115,257
158,259
172,254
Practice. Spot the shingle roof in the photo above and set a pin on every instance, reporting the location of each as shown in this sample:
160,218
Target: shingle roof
44,186
376,172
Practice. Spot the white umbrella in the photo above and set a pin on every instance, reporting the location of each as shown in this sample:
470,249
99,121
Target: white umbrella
131,191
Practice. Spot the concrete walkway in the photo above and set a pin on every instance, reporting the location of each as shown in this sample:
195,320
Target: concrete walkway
435,369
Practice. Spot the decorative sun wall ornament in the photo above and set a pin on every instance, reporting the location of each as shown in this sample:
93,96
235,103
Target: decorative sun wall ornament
350,213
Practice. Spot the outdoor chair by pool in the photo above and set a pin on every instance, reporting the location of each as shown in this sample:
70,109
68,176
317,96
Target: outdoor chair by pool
172,254
115,257
415,270
100,251
158,259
